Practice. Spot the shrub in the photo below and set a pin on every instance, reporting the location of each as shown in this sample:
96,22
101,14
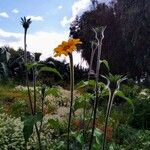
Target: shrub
128,138
141,116
11,136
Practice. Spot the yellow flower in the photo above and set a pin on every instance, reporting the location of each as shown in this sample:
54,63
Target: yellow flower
67,47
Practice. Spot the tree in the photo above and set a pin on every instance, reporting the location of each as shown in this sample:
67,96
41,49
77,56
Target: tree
126,45
4,58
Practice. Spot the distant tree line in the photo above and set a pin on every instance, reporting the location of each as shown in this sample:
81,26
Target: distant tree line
12,67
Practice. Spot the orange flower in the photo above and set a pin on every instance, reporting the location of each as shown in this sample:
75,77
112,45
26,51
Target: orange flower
66,48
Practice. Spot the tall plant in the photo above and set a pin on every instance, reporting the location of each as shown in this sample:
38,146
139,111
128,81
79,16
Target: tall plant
26,23
113,85
67,48
99,48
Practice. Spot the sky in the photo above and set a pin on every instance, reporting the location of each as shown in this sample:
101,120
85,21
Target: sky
49,27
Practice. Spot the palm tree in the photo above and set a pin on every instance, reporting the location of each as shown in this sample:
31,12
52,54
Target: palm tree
25,23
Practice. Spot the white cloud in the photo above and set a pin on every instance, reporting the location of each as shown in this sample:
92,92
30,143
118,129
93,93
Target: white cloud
15,11
78,8
42,42
65,21
4,14
36,18
60,7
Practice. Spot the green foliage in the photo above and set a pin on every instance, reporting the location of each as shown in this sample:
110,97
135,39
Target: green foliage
53,91
29,122
129,101
79,140
56,125
11,136
31,66
141,116
105,62
131,90
18,108
125,36
51,70
129,138
83,101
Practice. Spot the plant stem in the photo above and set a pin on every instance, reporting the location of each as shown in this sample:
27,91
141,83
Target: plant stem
109,106
34,85
38,136
29,93
25,45
91,60
42,108
91,115
71,102
26,72
99,44
84,116
94,117
36,127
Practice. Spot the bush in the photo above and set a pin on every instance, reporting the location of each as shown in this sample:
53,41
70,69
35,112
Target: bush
141,116
11,137
128,138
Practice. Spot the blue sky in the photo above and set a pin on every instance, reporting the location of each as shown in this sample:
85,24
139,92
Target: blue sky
51,11
50,23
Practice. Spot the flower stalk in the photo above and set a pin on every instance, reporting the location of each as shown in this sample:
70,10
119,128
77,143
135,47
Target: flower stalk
71,96
66,48
26,23
99,45
113,85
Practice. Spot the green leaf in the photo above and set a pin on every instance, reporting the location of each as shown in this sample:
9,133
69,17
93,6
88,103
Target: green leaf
83,84
100,29
51,70
32,65
79,104
83,101
61,145
29,122
38,117
98,138
79,138
54,124
98,135
105,62
53,91
129,101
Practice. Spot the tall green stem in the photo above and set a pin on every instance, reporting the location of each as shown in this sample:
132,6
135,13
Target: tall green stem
29,93
91,60
99,44
42,106
34,85
95,104
71,102
109,106
26,72
38,136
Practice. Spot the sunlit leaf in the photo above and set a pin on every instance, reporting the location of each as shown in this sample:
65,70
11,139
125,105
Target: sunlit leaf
33,65
53,91
51,70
